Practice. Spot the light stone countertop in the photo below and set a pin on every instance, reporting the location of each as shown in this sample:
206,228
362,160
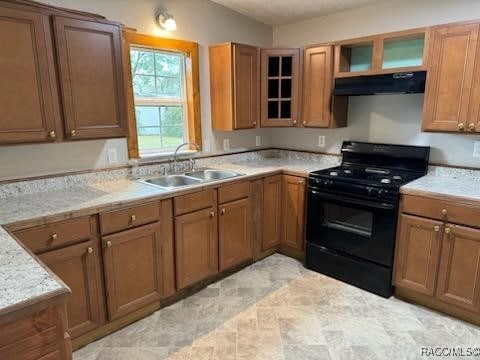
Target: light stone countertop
23,279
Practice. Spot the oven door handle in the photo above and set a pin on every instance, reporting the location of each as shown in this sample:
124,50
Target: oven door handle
353,201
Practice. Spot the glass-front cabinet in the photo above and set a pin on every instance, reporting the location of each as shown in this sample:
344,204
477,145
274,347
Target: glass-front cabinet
280,74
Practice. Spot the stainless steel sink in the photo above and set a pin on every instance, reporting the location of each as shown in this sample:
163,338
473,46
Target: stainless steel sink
212,174
172,181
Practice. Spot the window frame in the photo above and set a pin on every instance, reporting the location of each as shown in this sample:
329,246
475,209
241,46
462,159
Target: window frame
192,83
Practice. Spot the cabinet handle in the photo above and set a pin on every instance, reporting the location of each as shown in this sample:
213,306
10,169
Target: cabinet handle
89,250
471,126
109,243
461,126
73,133
444,212
212,214
223,212
52,135
133,217
301,182
54,236
436,228
447,230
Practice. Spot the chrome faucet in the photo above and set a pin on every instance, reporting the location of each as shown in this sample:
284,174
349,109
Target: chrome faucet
175,156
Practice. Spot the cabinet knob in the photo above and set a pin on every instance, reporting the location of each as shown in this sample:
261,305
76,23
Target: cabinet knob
461,126
54,236
109,243
89,250
223,211
304,123
212,214
436,228
447,230
301,182
294,122
254,123
444,212
52,135
471,126
73,133
133,217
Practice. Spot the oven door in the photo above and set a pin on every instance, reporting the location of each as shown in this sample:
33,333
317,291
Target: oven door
355,227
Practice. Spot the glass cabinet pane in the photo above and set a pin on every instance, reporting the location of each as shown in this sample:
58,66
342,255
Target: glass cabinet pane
274,66
273,89
285,109
273,109
286,66
286,87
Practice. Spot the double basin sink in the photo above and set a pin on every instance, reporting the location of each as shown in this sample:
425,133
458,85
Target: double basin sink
169,182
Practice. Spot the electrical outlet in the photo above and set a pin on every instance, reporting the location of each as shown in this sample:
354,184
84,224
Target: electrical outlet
321,141
226,144
112,156
258,140
476,149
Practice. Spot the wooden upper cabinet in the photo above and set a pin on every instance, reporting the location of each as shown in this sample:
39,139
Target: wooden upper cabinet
280,86
235,234
196,246
78,266
91,78
459,271
293,210
417,254
234,75
28,104
448,94
272,210
320,108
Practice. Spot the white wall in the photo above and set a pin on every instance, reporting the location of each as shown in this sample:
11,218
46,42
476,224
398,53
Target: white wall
390,118
198,20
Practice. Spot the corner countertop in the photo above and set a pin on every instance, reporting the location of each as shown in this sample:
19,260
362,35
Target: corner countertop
24,280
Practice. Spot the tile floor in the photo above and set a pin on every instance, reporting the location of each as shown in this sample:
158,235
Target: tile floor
277,309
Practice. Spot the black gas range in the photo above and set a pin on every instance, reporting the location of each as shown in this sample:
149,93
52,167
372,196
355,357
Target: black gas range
352,212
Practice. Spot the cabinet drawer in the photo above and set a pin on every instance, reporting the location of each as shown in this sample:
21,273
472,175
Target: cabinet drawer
118,220
442,210
233,192
193,202
55,235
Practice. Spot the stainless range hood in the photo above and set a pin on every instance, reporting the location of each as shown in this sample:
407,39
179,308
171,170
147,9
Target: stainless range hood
399,83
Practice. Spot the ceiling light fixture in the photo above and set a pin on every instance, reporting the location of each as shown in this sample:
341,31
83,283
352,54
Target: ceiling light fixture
166,21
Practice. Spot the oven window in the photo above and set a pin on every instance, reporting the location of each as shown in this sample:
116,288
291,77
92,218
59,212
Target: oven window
348,219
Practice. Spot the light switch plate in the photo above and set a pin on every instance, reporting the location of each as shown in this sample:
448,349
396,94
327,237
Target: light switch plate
258,140
112,156
476,149
321,141
207,145
226,144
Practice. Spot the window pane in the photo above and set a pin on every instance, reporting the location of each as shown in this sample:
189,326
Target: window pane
142,62
148,127
144,85
168,64
169,87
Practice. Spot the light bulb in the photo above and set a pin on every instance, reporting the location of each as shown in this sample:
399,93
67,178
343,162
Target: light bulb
170,24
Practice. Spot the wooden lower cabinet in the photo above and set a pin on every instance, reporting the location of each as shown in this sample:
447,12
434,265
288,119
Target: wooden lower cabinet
234,233
293,212
78,266
272,205
133,269
459,271
196,246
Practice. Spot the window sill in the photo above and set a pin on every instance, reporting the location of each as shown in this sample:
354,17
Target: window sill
164,156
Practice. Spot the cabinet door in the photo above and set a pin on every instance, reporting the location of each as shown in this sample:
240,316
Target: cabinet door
272,205
281,71
317,86
28,108
234,233
133,269
293,211
196,246
91,77
450,75
245,83
459,271
78,267
417,255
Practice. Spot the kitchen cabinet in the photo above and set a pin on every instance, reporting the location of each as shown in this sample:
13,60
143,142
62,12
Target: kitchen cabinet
234,229
196,246
449,103
280,86
293,212
78,266
320,108
91,78
234,86
272,210
437,255
418,253
28,105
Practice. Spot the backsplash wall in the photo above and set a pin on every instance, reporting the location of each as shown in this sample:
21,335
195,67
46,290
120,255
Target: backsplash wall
386,118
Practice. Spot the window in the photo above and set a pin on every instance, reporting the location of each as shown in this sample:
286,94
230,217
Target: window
163,93
158,79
